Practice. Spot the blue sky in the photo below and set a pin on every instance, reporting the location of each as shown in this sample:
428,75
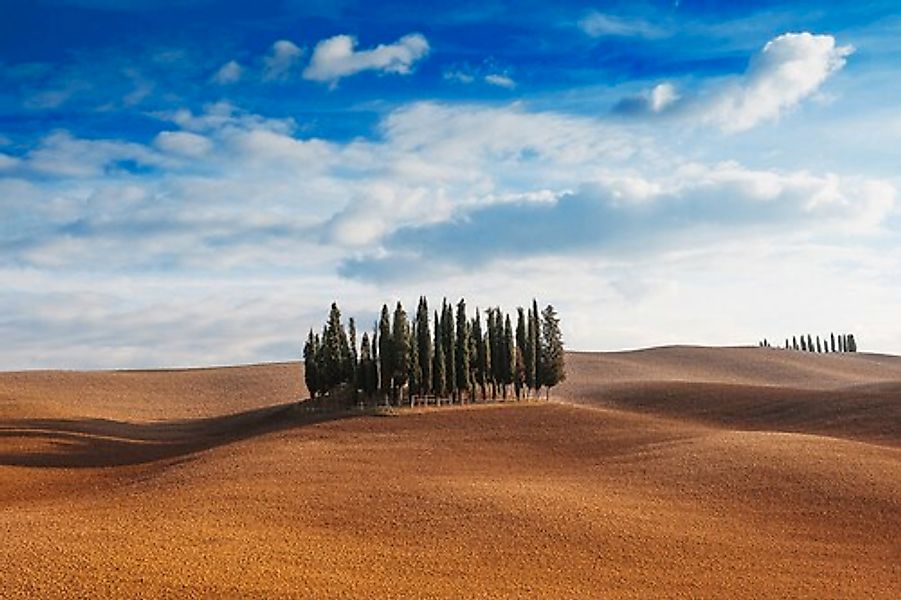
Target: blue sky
188,182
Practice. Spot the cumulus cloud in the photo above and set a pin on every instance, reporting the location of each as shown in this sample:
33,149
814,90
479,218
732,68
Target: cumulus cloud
790,68
230,72
336,57
282,61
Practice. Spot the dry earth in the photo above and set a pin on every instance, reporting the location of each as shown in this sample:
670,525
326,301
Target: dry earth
671,472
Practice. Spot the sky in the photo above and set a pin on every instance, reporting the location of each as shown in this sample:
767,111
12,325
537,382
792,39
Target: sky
193,182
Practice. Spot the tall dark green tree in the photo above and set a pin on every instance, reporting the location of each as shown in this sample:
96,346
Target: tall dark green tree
531,351
819,347
462,350
400,345
415,370
522,345
535,343
553,368
386,352
509,351
832,341
448,342
810,347
803,344
310,368
366,373
852,343
336,350
354,359
481,357
439,378
495,344
424,346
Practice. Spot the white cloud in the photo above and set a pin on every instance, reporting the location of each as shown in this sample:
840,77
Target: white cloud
596,24
336,57
500,80
282,60
790,68
662,96
183,143
644,232
230,72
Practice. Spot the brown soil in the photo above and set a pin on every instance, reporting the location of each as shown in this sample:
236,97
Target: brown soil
676,472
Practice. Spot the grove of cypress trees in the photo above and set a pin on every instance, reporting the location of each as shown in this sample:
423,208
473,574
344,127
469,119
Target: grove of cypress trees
462,350
552,357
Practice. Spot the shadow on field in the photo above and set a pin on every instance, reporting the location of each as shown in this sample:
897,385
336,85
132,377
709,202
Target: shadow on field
67,443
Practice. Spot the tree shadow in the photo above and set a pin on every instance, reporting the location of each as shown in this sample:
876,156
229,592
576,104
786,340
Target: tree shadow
84,443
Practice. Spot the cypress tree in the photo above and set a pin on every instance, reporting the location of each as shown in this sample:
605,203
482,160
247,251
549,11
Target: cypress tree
786,344
809,343
400,346
531,351
415,368
448,343
352,338
553,369
819,347
536,345
832,341
336,350
481,355
495,339
424,346
309,365
462,351
852,343
795,342
803,344
386,353
439,378
522,345
509,350
366,371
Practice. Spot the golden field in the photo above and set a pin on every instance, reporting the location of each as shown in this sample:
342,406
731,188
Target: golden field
669,472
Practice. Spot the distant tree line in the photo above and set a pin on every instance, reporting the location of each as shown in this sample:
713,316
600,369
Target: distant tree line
462,358
806,343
